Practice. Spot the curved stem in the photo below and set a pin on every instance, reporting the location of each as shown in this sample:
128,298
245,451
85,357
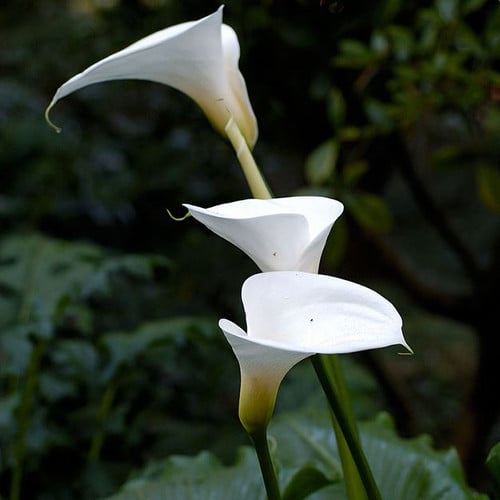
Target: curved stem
259,439
256,182
330,376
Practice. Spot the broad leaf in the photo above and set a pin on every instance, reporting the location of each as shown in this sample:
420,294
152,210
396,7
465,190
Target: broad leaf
306,457
306,481
203,476
125,347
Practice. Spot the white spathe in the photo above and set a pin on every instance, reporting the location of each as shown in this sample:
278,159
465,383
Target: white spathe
293,315
199,58
278,234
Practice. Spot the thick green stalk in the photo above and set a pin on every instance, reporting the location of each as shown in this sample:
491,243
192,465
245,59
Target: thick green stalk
330,376
259,439
353,483
256,182
358,477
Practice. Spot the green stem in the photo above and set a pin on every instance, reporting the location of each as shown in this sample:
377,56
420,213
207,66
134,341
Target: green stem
353,483
256,182
32,372
358,477
259,439
330,376
104,410
24,417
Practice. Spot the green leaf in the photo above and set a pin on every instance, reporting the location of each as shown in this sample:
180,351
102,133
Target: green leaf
370,211
54,388
8,406
352,172
125,347
403,468
488,186
304,482
388,10
38,275
348,134
321,163
448,9
353,54
402,42
410,468
379,43
336,107
472,5
203,476
15,352
135,266
306,456
40,272
78,357
379,114
493,465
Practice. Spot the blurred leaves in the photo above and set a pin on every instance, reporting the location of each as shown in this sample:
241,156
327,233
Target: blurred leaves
370,212
41,278
321,163
488,186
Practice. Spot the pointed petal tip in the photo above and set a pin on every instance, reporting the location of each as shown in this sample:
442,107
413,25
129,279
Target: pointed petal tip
406,346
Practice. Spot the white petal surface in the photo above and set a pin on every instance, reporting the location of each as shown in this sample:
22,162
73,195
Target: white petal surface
262,369
279,233
259,359
199,58
321,314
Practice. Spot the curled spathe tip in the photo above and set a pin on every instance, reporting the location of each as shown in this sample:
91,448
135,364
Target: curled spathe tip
178,219
48,120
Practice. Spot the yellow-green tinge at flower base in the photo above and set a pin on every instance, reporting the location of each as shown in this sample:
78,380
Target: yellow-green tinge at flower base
293,315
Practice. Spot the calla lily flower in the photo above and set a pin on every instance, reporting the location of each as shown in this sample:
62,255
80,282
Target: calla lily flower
279,234
293,315
199,58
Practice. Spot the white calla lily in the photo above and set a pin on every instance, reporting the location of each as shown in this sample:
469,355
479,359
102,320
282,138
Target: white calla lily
279,234
293,315
199,58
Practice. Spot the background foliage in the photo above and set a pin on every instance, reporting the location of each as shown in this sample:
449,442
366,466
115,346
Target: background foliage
110,359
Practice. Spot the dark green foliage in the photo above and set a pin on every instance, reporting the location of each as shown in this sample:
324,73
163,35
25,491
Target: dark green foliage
493,464
407,469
